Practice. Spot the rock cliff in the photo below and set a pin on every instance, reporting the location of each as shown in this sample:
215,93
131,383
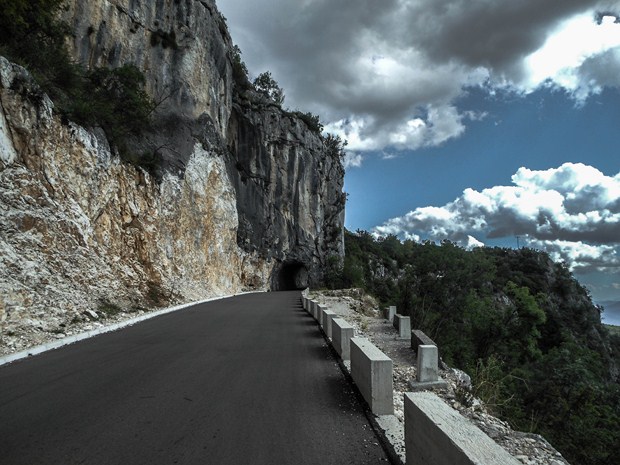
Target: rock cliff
247,197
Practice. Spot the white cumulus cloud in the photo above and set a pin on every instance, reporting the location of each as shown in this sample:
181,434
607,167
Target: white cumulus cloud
572,211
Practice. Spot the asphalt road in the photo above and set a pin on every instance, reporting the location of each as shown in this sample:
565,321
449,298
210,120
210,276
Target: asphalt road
247,380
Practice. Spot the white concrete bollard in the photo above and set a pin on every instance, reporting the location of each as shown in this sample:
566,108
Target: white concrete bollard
319,316
427,376
328,316
403,325
389,312
342,332
428,364
372,370
315,310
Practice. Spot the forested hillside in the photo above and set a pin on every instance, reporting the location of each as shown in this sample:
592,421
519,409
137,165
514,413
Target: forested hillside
520,324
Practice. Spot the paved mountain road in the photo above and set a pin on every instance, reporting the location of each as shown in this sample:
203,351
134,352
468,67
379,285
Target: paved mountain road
246,380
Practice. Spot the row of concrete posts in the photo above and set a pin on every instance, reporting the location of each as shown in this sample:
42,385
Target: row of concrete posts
371,369
435,434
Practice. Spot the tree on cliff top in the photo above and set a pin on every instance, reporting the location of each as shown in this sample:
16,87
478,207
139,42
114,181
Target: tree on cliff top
266,85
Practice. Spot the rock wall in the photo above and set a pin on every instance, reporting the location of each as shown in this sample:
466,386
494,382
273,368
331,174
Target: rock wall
182,46
249,198
289,191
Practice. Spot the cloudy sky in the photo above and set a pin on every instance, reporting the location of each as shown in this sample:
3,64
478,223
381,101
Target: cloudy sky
473,120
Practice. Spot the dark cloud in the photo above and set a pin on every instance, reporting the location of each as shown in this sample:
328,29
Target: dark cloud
603,69
383,64
488,33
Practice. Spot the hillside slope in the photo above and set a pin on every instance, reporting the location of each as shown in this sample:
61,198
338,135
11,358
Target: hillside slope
520,324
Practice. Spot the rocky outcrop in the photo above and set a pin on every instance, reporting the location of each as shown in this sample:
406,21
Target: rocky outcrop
247,198
289,191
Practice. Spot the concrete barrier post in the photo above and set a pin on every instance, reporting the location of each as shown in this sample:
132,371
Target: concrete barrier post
319,318
428,364
328,317
427,376
404,327
315,308
436,434
342,332
372,370
388,313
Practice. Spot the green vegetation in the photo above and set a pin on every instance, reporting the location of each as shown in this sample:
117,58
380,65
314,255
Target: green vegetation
335,146
106,308
266,85
521,325
239,71
113,99
165,39
267,90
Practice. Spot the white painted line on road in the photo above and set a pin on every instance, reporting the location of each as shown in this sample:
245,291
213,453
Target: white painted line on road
106,329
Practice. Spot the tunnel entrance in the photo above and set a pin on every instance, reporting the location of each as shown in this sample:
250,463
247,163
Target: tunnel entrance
291,276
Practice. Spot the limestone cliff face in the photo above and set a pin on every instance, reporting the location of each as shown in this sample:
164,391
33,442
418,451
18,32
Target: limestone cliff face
249,198
289,191
182,46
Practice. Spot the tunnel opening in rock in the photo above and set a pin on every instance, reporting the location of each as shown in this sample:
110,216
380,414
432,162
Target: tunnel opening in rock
291,276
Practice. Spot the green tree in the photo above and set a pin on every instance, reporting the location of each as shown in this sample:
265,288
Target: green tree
578,411
239,69
266,85
335,147
521,321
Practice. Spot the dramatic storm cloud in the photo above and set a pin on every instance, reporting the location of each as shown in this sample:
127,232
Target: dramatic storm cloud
573,212
386,75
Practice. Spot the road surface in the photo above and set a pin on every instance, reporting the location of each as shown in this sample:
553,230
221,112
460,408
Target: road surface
246,380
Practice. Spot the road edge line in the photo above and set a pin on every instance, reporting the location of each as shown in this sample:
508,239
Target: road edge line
36,350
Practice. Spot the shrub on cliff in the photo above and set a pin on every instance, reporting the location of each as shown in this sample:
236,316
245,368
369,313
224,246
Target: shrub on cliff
267,86
114,99
239,70
335,146
31,35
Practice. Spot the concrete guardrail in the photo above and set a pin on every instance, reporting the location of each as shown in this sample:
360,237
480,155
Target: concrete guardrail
372,370
418,338
436,434
328,317
342,332
389,312
403,326
315,308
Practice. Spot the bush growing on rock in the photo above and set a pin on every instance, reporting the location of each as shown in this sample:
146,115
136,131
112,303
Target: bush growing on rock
266,85
114,99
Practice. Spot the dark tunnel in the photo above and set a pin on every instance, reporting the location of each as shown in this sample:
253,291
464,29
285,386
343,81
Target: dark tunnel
291,276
